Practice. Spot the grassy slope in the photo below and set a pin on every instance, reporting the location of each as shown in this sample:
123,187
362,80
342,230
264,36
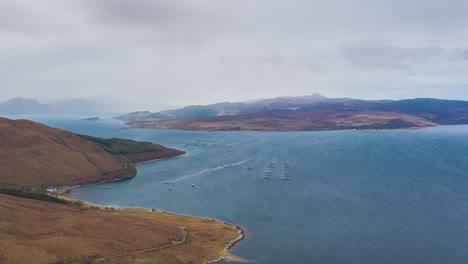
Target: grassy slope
319,121
119,146
80,234
133,150
326,114
37,228
33,155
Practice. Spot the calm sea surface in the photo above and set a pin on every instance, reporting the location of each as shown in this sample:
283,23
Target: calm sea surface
309,197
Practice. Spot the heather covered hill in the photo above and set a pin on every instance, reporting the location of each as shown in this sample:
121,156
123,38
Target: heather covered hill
133,150
321,113
41,228
37,156
225,108
292,120
44,232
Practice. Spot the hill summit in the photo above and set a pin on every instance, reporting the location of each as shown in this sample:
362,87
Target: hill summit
37,156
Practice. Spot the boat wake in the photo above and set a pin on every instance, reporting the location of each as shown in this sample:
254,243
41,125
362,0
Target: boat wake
207,170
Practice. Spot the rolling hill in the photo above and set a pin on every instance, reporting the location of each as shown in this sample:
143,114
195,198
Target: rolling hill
224,108
309,113
38,227
42,232
36,156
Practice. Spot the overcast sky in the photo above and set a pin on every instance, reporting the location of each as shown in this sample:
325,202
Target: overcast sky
203,51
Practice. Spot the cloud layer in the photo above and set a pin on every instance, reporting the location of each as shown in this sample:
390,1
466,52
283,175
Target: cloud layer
194,52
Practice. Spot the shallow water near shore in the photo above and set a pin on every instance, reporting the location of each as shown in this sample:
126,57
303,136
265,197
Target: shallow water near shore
308,197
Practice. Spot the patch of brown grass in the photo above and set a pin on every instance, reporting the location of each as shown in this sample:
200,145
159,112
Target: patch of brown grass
33,155
41,232
323,120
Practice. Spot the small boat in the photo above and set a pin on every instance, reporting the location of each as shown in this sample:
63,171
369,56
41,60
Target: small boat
193,185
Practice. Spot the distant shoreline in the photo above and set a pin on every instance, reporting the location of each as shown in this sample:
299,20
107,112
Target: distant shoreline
283,131
306,113
152,160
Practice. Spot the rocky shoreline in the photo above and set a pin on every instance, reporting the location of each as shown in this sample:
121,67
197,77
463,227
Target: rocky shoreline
230,245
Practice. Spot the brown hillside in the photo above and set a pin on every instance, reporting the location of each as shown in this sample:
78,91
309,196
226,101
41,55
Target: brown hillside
81,235
290,120
307,114
33,155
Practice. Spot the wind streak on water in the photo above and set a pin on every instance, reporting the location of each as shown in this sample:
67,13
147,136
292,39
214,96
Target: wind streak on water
231,144
207,170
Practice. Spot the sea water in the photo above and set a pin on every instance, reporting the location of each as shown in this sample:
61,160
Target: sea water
308,197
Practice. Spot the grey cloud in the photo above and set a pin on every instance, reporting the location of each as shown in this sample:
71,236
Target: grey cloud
136,12
33,18
274,59
442,14
182,23
378,56
202,51
10,12
460,54
160,14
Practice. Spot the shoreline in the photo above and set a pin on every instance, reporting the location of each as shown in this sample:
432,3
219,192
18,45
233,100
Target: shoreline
173,157
280,131
226,254
229,246
65,191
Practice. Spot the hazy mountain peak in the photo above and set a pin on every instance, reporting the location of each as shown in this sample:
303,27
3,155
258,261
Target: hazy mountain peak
21,105
21,99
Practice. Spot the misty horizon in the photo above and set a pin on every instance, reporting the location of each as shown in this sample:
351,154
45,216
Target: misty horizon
178,53
113,105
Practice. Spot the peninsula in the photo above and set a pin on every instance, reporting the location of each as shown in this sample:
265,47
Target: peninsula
39,227
306,113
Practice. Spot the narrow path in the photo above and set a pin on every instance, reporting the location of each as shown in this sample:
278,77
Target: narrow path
183,240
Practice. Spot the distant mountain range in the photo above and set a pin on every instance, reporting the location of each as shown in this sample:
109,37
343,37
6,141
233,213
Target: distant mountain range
224,108
314,112
21,105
